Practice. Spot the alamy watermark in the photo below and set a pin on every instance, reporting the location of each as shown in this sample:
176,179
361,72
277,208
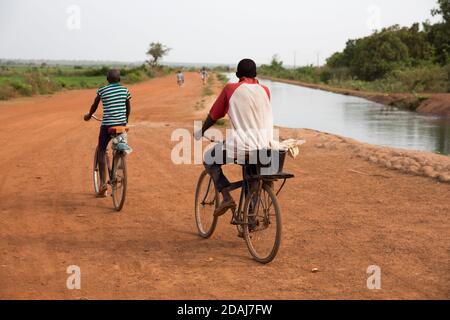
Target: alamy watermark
373,22
74,279
255,146
73,21
374,279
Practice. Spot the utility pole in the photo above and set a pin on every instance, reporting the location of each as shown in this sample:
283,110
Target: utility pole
318,60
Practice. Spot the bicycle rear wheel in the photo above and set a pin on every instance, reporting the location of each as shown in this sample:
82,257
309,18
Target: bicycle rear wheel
96,173
262,230
206,202
119,180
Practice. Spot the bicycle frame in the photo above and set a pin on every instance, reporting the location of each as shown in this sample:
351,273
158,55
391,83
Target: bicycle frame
109,164
244,184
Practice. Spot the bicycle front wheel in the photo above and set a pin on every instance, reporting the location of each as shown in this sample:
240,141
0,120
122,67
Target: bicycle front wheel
262,228
206,202
119,181
96,173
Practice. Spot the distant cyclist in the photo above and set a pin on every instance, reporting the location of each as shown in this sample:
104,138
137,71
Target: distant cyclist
116,110
180,78
204,75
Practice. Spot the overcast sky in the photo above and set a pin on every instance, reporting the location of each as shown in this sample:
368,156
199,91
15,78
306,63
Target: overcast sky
209,31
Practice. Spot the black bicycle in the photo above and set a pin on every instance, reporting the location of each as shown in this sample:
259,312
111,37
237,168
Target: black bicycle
258,215
117,170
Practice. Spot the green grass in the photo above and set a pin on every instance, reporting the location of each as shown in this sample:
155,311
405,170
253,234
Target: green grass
76,82
6,80
20,80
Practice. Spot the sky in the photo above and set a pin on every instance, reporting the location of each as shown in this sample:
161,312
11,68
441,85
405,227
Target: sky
198,31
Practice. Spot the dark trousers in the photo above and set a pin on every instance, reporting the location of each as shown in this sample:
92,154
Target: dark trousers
103,139
213,161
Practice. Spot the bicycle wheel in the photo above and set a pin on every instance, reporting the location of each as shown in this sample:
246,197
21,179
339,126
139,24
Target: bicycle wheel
119,180
206,202
96,173
262,230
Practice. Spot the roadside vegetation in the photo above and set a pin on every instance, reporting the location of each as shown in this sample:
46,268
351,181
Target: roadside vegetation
27,80
20,79
397,59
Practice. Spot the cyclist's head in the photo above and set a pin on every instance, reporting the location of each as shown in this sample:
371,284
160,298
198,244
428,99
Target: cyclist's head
246,68
113,76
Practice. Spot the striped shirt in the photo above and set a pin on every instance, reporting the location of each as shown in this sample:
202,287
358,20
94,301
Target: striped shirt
114,96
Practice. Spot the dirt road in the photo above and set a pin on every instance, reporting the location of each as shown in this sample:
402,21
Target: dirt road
336,220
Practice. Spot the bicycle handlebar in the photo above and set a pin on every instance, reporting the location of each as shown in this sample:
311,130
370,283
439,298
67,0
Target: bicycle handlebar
96,118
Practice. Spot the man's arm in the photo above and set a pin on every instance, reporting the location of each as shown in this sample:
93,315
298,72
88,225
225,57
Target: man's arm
128,105
218,110
209,122
94,107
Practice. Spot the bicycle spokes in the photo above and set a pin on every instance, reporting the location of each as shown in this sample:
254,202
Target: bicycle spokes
263,227
206,201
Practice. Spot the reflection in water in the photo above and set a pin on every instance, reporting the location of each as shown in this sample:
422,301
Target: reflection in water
357,118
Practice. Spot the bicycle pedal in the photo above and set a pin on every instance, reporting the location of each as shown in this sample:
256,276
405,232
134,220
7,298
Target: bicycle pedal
236,222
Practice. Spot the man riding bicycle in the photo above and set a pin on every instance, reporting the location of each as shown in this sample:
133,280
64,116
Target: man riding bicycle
180,78
248,106
116,111
204,75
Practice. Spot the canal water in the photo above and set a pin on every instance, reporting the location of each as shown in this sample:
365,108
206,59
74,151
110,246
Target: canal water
357,118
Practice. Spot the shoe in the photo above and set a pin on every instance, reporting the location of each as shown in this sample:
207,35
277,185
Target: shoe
223,207
103,192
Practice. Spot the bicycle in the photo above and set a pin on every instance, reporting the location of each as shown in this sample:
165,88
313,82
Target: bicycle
252,223
117,170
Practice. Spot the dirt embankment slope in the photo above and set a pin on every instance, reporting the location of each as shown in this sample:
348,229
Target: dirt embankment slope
341,213
427,103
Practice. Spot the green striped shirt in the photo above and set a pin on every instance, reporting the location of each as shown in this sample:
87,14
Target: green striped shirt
114,96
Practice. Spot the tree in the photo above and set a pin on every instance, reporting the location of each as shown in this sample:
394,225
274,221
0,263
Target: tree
157,50
443,10
276,63
439,33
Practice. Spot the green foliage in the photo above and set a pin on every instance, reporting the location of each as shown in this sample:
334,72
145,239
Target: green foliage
396,47
7,92
394,59
391,48
443,10
23,88
25,81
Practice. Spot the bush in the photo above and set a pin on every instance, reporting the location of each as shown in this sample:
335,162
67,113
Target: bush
7,92
41,84
22,88
133,77
423,79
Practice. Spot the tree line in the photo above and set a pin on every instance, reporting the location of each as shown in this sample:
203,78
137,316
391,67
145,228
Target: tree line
393,59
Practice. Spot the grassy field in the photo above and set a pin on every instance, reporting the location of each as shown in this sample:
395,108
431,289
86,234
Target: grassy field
25,80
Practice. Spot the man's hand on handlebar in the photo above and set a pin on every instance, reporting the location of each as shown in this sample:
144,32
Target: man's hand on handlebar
198,135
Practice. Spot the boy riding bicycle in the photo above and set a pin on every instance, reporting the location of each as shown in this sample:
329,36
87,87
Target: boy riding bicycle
116,111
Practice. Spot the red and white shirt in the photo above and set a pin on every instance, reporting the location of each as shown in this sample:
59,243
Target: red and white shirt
248,106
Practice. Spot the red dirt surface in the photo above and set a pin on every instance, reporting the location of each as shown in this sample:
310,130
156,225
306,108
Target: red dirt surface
334,219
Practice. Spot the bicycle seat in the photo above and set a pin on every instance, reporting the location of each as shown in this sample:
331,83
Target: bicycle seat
118,130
